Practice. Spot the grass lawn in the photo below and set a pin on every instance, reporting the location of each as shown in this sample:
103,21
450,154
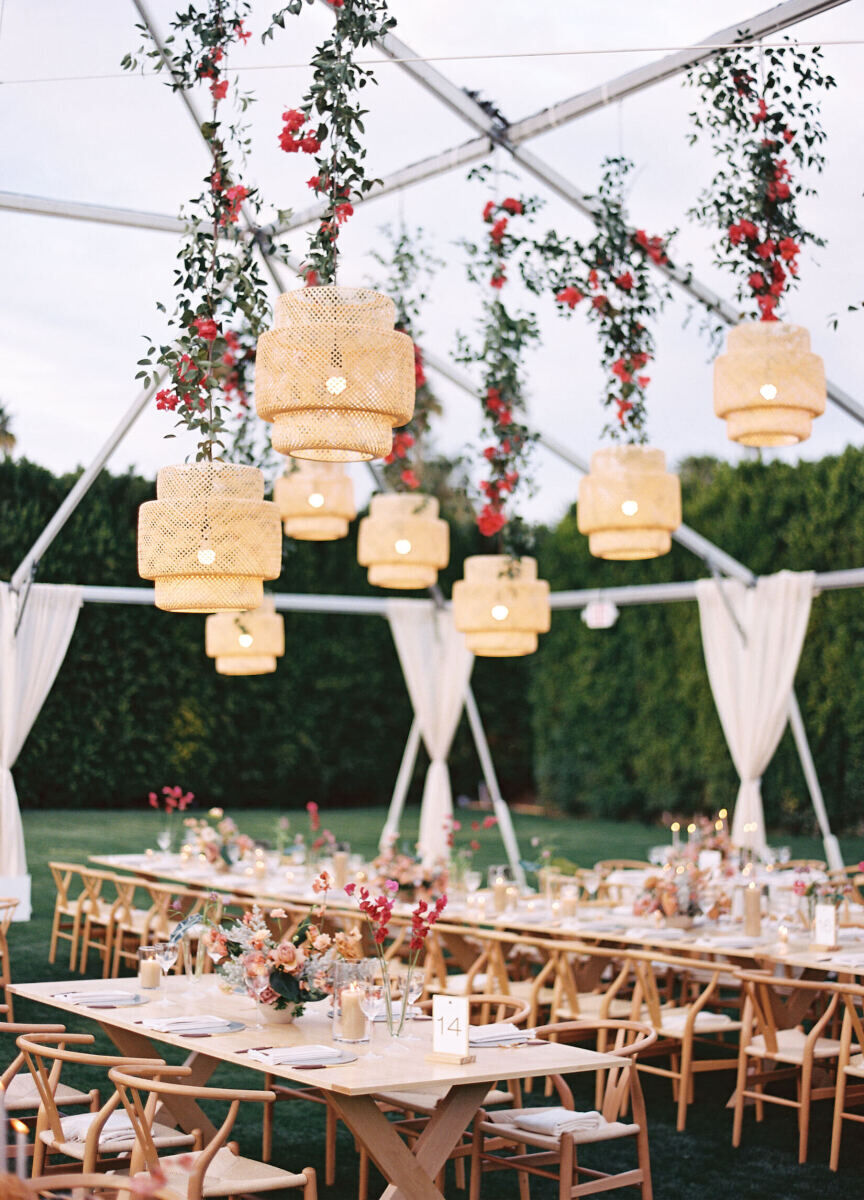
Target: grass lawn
697,1165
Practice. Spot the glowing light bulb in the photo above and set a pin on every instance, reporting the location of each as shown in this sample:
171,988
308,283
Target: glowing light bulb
723,814
768,391
206,556
316,500
500,612
629,508
336,385
402,546
245,640
691,828
676,827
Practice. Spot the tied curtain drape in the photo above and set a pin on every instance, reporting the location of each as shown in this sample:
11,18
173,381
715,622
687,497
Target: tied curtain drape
437,667
752,658
29,662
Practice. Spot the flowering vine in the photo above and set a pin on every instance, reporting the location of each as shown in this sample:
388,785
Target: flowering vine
762,118
407,263
221,300
328,122
611,278
505,335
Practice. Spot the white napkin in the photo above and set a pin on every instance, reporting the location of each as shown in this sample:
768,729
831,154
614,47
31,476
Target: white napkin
106,997
552,1122
847,960
200,1024
679,1020
295,1056
495,1035
118,1128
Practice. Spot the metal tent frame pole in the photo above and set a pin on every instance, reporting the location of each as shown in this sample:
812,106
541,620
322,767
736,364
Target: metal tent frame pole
502,812
400,788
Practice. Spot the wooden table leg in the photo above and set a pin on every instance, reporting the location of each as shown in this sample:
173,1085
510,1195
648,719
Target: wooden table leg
411,1175
185,1111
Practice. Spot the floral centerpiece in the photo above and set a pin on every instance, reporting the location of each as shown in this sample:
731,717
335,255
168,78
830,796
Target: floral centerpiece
462,853
813,891
407,871
221,843
170,801
673,895
378,911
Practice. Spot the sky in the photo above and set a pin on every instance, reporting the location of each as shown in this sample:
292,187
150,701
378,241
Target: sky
78,298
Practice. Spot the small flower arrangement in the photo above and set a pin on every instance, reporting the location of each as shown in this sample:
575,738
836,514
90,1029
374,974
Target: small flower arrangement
170,801
378,911
407,871
674,895
221,842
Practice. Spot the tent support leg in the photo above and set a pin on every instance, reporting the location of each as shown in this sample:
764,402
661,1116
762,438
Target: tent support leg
833,854
400,788
502,812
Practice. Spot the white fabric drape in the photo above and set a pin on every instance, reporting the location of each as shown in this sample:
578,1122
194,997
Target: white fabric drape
752,679
437,667
29,662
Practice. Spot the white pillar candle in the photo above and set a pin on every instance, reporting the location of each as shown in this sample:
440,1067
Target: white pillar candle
499,894
20,1149
752,910
676,834
353,1017
340,869
149,973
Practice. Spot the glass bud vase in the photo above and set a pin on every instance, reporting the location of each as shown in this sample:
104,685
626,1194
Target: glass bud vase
194,960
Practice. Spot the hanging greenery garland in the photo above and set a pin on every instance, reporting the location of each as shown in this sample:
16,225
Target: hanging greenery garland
760,111
221,300
328,122
499,352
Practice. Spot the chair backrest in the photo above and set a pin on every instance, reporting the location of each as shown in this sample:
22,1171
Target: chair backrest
45,1054
775,1003
630,1039
486,1008
15,1029
142,1088
169,903
8,904
67,876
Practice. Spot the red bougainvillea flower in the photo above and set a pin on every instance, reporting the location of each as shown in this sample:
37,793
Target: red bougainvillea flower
242,35
294,120
235,196
219,90
570,296
497,231
624,407
765,249
309,144
491,520
410,479
599,301
166,400
153,800
490,822
488,210
788,248
314,817
761,113
767,304
489,453
498,279
206,328
419,373
756,281
625,281
311,278
512,206
343,211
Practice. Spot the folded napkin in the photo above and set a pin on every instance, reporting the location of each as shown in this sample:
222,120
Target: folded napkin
118,1128
848,960
679,1020
496,1034
295,1056
552,1122
104,997
201,1024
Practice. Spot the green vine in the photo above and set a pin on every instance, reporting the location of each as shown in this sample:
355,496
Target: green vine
760,110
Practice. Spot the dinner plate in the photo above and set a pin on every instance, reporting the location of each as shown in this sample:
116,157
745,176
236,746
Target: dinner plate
345,1056
199,1031
130,1002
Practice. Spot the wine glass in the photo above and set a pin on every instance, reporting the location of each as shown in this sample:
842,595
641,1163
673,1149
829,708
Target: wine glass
163,840
233,852
473,879
166,954
257,981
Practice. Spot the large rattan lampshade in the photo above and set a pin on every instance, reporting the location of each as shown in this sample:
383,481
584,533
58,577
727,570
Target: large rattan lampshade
768,385
315,501
501,605
333,375
245,643
403,541
209,538
629,505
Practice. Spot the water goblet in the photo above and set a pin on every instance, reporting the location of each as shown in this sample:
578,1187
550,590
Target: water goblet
257,982
166,954
163,840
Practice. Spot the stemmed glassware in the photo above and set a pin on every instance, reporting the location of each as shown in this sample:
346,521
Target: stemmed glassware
166,954
163,840
257,982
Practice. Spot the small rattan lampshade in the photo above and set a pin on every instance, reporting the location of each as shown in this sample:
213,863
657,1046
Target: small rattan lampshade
245,643
403,541
501,605
629,505
209,538
315,501
768,385
333,375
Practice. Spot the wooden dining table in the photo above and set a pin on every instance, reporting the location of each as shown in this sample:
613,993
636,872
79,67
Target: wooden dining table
381,1065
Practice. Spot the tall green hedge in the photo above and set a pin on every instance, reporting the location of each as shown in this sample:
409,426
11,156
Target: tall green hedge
624,722
136,704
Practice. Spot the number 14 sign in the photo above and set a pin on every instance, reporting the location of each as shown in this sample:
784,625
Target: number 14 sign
450,1029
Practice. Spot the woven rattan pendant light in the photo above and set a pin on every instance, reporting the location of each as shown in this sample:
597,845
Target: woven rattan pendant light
245,643
629,505
403,541
315,501
333,375
501,605
769,386
209,538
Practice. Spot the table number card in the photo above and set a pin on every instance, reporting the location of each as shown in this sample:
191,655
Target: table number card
825,926
450,1030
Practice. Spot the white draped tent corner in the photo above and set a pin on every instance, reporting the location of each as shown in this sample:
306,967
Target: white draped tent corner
30,657
752,639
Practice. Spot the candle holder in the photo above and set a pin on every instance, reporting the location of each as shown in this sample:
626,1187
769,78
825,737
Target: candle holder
351,982
149,968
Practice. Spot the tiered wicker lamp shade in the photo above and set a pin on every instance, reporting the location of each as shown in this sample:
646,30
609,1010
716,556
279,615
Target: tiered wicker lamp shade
209,539
629,505
403,541
501,605
769,385
315,501
245,643
333,376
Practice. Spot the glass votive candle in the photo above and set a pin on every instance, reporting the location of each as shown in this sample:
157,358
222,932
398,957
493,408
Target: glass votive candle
149,968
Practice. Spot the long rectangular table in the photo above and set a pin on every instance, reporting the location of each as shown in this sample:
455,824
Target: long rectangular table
350,1088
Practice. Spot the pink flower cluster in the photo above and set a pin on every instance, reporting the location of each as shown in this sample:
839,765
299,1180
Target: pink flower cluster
171,799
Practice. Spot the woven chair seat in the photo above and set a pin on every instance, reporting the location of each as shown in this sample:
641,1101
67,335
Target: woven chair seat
706,1022
163,1137
591,1004
425,1102
855,1066
503,1124
22,1094
228,1174
457,985
790,1047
